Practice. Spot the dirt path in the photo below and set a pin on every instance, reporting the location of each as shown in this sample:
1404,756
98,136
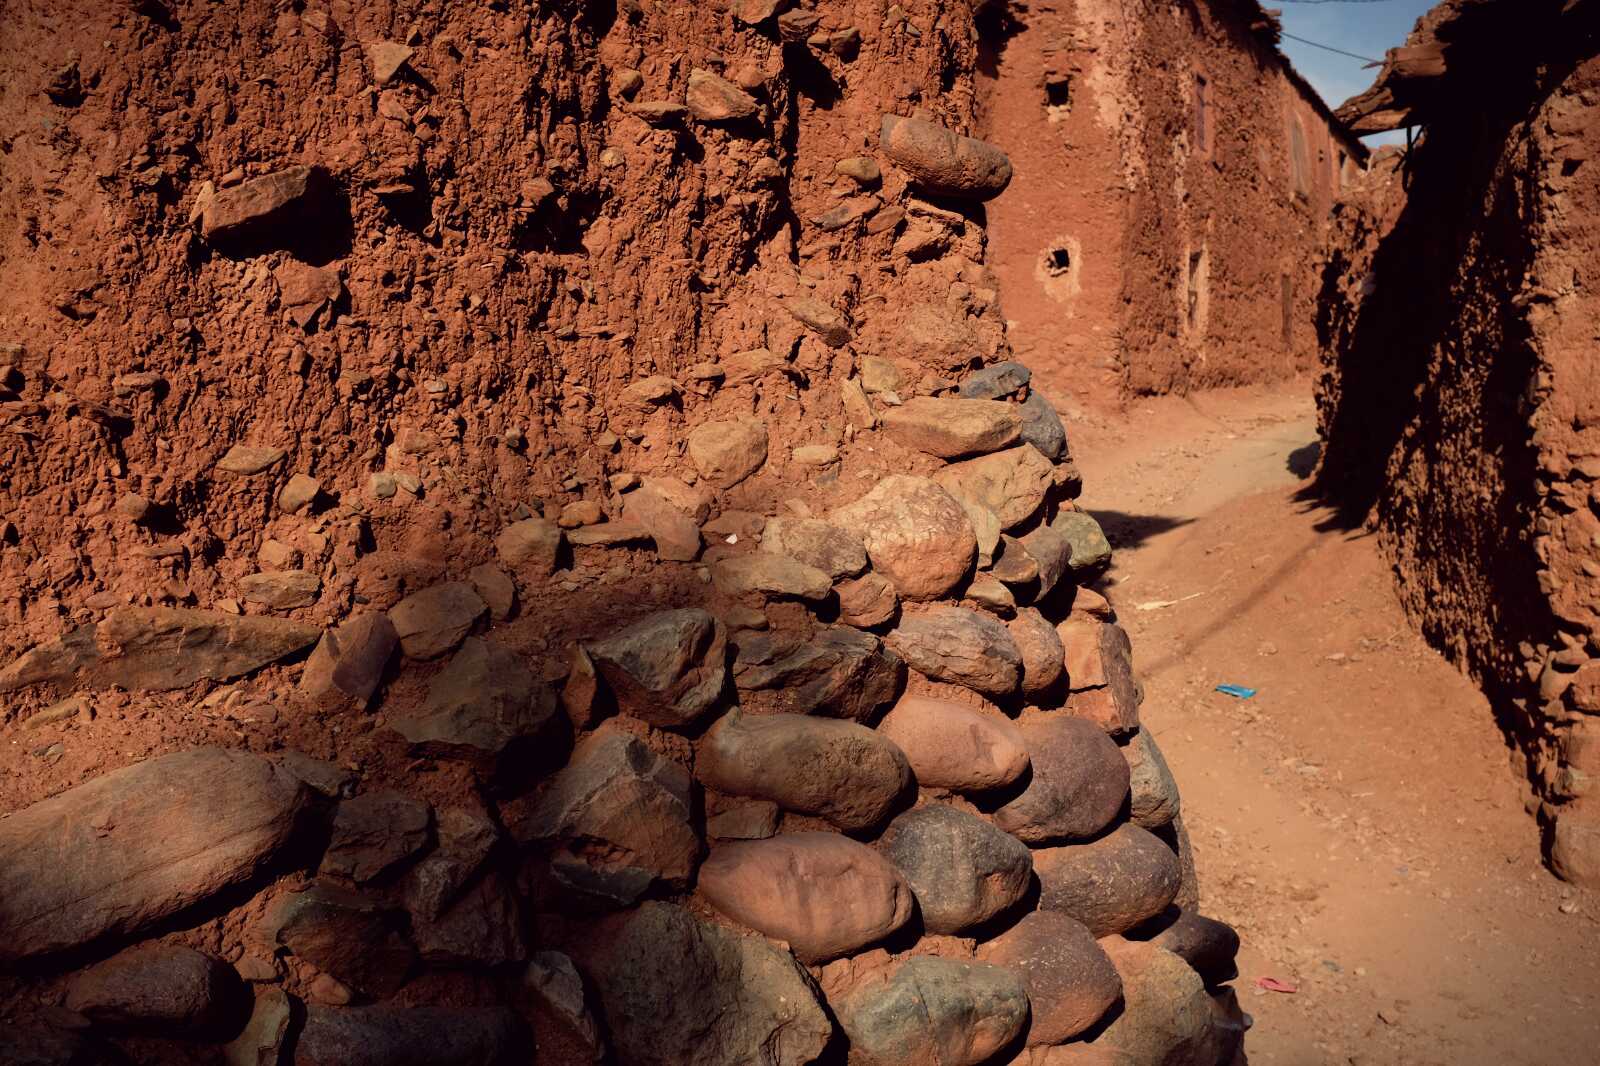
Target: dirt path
1357,819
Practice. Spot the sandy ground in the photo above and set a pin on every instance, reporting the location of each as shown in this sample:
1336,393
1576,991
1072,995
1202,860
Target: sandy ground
1357,820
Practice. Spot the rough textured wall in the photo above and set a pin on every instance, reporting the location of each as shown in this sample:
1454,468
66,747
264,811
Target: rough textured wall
521,532
1458,391
1167,150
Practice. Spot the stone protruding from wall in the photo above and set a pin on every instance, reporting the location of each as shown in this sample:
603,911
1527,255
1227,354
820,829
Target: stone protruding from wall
694,688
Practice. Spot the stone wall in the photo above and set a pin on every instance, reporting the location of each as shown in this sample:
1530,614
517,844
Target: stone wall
530,537
1174,176
1456,393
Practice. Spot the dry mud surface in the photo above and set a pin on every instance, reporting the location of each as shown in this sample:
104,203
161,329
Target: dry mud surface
1357,820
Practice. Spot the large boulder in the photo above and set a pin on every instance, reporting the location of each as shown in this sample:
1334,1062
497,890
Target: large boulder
752,1004
841,771
115,855
960,646
486,708
1112,884
156,649
1167,1018
1079,782
962,869
952,428
621,810
933,1012
668,668
1070,981
915,533
943,162
839,672
165,988
950,745
1013,484
823,893
384,1035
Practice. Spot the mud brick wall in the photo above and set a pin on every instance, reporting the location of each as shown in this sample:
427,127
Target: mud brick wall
525,532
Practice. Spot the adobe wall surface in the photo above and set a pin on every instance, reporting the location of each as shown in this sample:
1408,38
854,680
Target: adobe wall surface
521,530
1457,395
1186,175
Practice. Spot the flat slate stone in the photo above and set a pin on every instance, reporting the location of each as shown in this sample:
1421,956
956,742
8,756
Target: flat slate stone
839,672
351,937
841,771
995,382
768,575
952,428
816,543
437,619
274,202
348,663
375,832
115,855
1042,428
156,649
822,893
1154,792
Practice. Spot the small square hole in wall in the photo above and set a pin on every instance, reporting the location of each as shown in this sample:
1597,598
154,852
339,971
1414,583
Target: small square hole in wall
1057,261
1058,90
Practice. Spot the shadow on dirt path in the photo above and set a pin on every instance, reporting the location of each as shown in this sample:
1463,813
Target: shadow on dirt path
1357,820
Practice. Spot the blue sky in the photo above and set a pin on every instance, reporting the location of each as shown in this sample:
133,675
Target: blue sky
1367,29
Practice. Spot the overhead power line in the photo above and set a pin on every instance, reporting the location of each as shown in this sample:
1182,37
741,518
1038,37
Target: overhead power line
1329,47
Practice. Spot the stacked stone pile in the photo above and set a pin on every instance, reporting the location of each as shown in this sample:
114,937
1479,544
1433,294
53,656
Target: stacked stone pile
788,729
883,793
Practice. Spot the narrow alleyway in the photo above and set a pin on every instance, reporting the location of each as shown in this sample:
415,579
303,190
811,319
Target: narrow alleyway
1356,819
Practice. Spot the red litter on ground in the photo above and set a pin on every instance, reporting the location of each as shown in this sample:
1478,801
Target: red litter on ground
1272,984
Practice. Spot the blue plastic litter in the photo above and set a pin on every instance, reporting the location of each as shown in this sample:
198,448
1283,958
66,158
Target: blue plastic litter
1236,690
